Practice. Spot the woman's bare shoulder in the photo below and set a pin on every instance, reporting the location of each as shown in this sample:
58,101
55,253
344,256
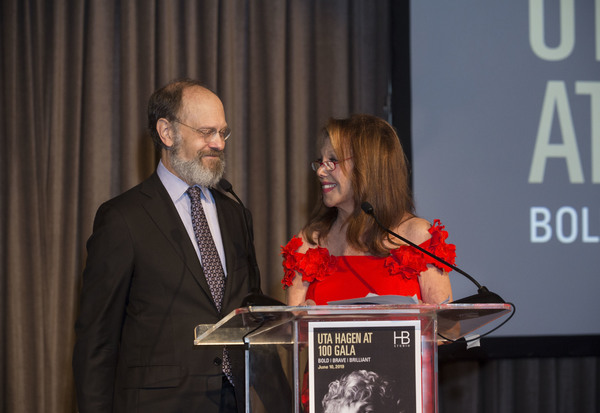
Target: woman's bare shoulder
306,242
415,229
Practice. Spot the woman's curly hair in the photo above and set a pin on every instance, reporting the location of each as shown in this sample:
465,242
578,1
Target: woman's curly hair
361,386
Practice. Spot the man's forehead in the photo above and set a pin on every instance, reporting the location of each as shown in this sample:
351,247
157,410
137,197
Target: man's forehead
198,94
198,100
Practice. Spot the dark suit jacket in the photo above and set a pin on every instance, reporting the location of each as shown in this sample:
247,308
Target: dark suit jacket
143,293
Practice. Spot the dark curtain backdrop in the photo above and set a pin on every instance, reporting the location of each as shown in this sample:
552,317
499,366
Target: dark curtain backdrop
75,79
76,76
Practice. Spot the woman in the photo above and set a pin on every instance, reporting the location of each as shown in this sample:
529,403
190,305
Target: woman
342,253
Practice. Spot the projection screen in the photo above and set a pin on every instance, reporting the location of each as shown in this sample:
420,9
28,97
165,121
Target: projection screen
506,151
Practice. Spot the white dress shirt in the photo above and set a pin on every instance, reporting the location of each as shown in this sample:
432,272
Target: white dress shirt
177,190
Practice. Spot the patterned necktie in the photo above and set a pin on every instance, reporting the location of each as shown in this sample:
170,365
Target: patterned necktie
211,263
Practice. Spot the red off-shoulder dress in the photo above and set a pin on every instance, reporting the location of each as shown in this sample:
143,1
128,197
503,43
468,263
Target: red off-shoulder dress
344,277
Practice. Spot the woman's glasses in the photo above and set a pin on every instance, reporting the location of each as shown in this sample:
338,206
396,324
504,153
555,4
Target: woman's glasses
329,165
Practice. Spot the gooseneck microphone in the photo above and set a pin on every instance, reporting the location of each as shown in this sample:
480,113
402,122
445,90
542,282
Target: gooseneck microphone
483,294
227,187
255,296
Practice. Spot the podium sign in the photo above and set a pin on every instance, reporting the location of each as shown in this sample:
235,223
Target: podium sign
307,356
374,363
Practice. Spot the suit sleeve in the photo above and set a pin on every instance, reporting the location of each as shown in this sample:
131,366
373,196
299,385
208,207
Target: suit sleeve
106,280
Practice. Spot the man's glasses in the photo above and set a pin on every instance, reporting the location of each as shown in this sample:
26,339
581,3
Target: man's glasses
209,133
329,165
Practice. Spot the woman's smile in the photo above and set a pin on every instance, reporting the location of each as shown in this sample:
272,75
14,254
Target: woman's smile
327,186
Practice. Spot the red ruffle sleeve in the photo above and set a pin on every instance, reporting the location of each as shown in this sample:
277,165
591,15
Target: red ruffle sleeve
437,245
290,260
313,265
409,262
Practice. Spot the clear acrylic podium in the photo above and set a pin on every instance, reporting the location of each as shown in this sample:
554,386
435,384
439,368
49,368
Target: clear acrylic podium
277,351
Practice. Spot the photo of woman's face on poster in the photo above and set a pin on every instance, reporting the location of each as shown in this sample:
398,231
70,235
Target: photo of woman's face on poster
365,367
362,391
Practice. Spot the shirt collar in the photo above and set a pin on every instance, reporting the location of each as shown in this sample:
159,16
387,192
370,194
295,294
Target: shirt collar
175,186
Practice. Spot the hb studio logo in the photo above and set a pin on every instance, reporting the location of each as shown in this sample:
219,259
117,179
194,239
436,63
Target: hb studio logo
401,339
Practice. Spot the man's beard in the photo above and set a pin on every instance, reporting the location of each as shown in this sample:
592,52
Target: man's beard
194,172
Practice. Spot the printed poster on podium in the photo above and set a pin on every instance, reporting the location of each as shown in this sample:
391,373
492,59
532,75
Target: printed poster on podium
365,366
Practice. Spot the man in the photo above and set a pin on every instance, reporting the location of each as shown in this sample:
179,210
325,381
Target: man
148,279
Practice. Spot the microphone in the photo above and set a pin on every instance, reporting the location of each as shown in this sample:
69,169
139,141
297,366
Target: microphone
227,187
255,297
483,294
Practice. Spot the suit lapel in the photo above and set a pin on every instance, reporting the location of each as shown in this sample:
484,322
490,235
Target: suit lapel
230,228
164,214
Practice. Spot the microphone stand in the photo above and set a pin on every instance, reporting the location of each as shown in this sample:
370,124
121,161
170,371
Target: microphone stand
483,294
255,297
